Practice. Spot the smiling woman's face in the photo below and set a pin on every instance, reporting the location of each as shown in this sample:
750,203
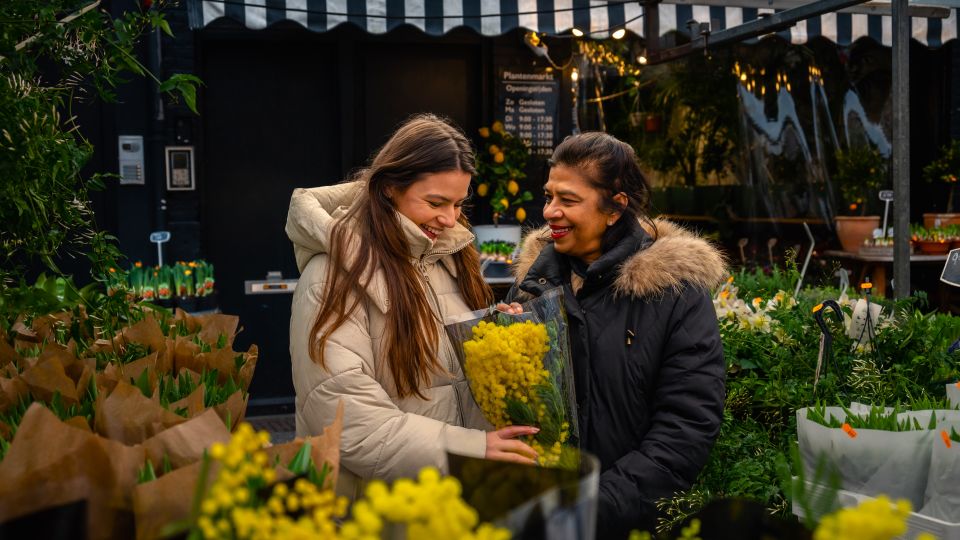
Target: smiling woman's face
434,202
572,210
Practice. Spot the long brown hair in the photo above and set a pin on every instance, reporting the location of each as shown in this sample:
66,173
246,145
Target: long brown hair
422,145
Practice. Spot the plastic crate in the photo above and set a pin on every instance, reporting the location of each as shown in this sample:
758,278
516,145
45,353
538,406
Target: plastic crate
916,523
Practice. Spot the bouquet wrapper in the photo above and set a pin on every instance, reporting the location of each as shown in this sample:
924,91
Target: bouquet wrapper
128,416
51,464
953,394
942,497
875,462
168,499
532,502
556,392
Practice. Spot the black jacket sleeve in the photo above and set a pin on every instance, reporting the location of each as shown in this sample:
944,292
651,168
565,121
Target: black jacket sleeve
685,420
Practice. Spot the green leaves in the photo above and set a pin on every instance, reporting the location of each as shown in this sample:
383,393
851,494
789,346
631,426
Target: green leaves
186,86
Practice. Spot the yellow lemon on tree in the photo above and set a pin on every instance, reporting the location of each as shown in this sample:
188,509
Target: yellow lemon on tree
504,203
513,187
497,127
484,132
521,214
482,189
498,157
493,149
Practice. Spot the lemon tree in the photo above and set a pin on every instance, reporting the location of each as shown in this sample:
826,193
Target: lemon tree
500,163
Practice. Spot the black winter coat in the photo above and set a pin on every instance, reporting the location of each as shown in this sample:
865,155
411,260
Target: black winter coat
648,362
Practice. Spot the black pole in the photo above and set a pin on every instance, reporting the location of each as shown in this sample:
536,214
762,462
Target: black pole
901,148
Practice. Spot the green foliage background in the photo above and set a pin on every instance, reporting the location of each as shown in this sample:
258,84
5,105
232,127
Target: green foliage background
770,376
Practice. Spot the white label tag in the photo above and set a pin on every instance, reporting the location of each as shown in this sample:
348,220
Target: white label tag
859,320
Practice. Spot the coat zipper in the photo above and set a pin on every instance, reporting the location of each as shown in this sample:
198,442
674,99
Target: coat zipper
444,340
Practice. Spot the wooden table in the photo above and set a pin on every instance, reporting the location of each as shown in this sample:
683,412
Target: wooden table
875,266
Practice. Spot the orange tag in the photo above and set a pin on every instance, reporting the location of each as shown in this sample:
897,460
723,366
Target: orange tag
849,430
958,384
866,285
818,307
946,438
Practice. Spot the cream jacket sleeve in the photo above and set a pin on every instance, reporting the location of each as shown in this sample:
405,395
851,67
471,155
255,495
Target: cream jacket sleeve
379,440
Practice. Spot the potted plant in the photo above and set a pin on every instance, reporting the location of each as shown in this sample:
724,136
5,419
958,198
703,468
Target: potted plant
500,163
944,169
861,171
934,241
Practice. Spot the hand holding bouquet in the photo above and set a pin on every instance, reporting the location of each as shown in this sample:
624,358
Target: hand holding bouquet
519,371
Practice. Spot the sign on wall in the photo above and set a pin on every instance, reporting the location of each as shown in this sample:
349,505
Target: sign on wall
527,103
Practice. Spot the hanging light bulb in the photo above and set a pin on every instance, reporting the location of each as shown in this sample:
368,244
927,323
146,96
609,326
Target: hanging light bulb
574,75
576,32
619,33
743,77
642,60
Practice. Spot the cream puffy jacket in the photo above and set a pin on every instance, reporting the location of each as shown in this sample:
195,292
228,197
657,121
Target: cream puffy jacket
384,436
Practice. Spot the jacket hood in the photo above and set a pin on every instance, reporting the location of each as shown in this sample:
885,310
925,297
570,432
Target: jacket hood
314,211
676,258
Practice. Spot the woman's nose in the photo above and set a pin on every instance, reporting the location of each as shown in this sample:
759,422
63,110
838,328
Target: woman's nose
448,217
550,211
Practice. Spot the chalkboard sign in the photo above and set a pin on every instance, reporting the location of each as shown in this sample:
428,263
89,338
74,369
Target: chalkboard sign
951,270
527,103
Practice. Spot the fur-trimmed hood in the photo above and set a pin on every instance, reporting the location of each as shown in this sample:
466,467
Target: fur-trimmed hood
676,258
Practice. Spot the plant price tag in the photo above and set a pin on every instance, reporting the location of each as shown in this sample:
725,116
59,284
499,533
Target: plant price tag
859,321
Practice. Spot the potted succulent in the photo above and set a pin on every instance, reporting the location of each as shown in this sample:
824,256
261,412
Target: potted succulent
861,171
500,164
944,169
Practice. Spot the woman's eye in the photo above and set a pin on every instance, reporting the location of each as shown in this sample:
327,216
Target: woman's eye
433,204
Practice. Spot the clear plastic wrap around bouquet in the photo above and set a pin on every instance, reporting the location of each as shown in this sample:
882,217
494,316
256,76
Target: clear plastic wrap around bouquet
520,373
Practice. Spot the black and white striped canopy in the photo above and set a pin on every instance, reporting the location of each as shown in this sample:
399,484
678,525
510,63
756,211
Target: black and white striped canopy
494,17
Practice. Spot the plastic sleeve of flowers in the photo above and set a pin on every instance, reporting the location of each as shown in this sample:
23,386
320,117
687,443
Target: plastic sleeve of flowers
868,461
941,500
540,391
953,394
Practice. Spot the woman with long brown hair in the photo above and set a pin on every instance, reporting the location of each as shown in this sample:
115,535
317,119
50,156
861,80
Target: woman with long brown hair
384,260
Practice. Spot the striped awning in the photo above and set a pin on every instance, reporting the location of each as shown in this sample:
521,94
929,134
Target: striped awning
494,17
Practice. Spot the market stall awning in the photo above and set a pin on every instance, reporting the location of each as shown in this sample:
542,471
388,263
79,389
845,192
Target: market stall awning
597,17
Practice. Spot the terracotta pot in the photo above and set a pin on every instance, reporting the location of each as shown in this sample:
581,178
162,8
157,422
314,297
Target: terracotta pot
853,230
930,220
652,123
933,247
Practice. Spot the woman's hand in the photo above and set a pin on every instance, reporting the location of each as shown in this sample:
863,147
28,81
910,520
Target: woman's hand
512,308
503,446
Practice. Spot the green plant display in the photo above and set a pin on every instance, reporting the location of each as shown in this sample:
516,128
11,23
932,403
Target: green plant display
56,53
770,370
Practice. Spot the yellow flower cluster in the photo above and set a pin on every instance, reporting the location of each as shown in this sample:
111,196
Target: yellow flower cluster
431,507
505,363
502,362
232,507
873,519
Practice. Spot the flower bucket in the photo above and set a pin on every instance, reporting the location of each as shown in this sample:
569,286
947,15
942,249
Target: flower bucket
532,502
